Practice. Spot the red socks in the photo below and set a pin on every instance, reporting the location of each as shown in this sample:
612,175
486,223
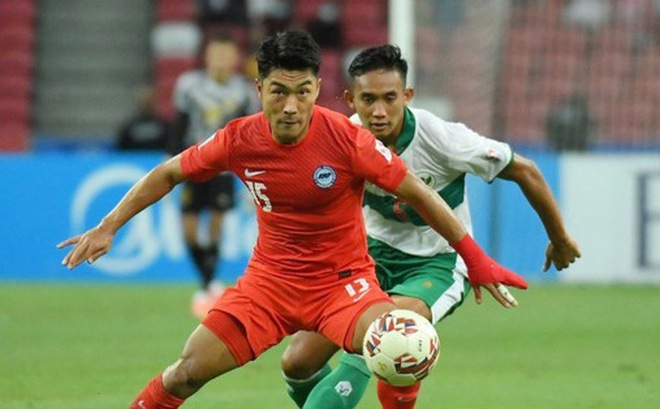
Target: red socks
397,397
154,396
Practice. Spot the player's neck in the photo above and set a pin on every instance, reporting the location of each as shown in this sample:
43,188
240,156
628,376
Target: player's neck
390,140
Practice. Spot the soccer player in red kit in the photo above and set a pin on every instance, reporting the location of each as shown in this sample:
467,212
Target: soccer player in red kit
306,168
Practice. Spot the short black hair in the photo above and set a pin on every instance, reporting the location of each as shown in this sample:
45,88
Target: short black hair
288,50
375,58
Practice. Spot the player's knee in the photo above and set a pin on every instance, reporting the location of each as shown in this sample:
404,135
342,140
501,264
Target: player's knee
294,366
182,379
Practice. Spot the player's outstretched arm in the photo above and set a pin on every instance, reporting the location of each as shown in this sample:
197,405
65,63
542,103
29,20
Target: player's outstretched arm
97,241
562,250
482,270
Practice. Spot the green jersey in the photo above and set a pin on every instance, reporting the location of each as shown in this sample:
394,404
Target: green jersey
440,153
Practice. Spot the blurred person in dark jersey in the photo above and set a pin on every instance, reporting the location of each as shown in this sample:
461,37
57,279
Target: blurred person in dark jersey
206,100
145,129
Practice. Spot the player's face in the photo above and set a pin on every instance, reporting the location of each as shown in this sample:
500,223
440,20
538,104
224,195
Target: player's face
379,97
287,98
221,59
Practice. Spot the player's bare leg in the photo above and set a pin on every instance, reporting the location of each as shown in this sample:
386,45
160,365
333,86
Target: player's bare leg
300,360
215,288
368,316
190,226
413,304
305,364
204,357
204,258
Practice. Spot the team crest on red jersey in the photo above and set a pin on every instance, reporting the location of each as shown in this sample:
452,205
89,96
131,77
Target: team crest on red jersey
324,176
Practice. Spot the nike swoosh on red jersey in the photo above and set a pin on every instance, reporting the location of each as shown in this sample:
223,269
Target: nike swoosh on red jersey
250,173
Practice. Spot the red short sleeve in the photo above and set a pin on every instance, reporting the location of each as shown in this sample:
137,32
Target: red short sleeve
376,163
205,160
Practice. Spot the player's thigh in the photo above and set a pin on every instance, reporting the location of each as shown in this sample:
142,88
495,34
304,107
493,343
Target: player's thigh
259,303
365,319
413,304
306,354
349,307
204,357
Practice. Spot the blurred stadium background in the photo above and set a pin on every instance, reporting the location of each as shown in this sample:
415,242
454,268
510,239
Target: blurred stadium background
574,84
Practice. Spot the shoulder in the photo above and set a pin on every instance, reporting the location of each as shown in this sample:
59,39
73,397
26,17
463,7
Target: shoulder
355,118
428,120
431,127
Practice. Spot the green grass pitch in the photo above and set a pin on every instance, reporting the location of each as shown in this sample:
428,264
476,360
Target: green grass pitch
95,346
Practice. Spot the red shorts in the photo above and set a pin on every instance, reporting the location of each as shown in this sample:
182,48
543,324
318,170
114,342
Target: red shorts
271,306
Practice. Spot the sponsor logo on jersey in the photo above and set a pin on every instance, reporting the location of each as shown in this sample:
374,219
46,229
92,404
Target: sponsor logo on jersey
427,178
324,176
251,173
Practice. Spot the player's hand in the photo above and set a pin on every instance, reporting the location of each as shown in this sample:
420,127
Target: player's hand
483,271
561,254
486,272
499,292
88,246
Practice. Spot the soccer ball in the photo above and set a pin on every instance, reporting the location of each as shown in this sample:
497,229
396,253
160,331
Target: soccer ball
401,347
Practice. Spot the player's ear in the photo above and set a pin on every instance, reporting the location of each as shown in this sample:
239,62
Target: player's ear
348,97
258,85
318,87
408,94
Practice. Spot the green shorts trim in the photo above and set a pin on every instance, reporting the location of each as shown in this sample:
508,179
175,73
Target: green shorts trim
436,280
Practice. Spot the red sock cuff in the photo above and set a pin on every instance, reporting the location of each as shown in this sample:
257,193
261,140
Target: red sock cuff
397,397
167,398
154,395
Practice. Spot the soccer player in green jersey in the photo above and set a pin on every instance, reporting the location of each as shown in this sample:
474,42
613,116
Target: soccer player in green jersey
415,265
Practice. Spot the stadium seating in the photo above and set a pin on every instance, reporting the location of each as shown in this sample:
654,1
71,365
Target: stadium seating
175,10
332,83
306,10
17,36
21,12
364,23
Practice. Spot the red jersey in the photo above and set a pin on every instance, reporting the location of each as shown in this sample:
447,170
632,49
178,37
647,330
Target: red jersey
308,195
